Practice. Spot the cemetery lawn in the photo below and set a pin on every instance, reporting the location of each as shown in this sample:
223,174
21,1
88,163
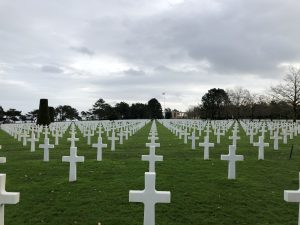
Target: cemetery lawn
200,191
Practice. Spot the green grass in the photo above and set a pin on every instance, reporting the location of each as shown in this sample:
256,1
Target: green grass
200,191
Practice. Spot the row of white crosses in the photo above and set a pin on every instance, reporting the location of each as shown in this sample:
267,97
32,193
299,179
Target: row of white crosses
251,128
31,133
150,196
278,130
188,129
99,145
231,157
73,158
46,146
115,131
6,197
21,132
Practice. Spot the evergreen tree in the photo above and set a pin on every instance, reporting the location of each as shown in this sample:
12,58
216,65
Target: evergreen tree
154,109
43,116
51,114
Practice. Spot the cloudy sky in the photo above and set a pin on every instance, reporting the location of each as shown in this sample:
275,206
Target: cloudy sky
77,51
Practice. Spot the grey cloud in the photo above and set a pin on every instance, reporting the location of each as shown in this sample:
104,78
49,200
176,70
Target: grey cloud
241,41
133,72
239,37
83,50
51,69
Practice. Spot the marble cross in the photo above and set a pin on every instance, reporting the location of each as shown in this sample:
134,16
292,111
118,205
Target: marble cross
149,197
46,132
152,158
113,140
234,137
6,197
57,135
100,132
261,148
32,141
206,146
121,135
25,136
152,143
263,131
219,133
193,138
46,147
284,133
89,135
73,159
73,139
293,196
185,134
251,134
2,159
276,137
232,158
99,147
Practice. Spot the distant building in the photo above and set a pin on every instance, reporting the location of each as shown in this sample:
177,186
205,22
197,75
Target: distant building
178,115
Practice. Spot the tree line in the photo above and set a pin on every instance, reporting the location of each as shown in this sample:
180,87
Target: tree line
100,110
281,102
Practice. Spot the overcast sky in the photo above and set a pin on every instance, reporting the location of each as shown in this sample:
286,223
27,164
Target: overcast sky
74,52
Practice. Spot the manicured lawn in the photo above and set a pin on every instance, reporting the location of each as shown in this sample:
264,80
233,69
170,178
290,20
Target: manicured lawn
200,191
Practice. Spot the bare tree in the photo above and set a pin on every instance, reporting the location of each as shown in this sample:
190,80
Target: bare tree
289,90
251,101
238,97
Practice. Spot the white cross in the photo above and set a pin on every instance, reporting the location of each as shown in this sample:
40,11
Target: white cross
73,159
261,147
121,134
72,130
38,131
100,132
180,133
152,143
99,147
219,133
73,139
2,159
113,138
57,135
232,158
251,133
206,146
234,137
20,135
284,133
152,158
46,147
263,131
32,141
46,132
193,138
153,136
207,131
25,136
293,196
6,197
291,133
126,133
149,197
185,136
276,138
89,135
